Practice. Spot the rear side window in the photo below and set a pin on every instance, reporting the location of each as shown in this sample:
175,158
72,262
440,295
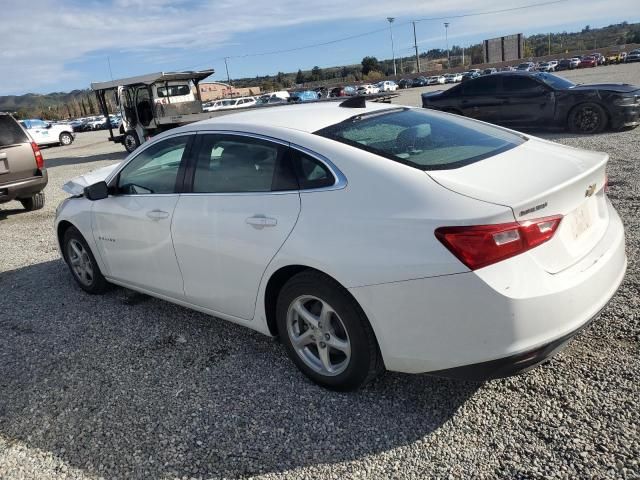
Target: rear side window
173,91
10,132
423,138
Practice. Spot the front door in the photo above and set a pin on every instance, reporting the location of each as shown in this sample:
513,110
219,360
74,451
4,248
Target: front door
236,218
132,227
39,131
526,102
479,98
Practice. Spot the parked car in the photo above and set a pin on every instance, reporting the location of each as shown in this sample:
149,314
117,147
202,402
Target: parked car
614,58
233,103
588,62
564,64
470,75
303,96
79,125
633,56
436,80
541,100
281,96
600,59
419,82
405,83
212,106
345,91
526,67
466,261
387,86
96,123
23,175
368,89
449,77
44,133
575,62
508,68
489,71
546,67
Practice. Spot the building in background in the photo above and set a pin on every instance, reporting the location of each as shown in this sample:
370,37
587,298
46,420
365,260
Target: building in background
503,49
216,90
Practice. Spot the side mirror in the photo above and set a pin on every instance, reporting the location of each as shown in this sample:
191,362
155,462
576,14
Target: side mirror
48,125
97,191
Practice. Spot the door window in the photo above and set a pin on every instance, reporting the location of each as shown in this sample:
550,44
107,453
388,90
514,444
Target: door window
481,86
154,170
10,132
235,164
519,83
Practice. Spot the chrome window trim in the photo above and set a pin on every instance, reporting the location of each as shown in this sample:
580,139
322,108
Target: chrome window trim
340,179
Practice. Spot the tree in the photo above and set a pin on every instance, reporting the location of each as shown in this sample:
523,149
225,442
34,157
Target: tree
369,64
317,74
300,77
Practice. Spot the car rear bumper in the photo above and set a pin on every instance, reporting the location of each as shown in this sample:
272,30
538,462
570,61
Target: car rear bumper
23,188
506,317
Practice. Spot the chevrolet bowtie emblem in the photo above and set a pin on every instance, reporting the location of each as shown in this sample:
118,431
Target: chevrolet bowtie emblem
590,189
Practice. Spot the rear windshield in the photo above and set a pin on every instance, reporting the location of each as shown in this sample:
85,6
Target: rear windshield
173,91
423,139
10,132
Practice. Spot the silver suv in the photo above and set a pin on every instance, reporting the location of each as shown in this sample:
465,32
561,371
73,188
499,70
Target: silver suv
22,172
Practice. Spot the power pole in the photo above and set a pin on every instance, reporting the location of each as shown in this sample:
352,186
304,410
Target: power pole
549,44
415,44
393,50
228,78
462,57
446,37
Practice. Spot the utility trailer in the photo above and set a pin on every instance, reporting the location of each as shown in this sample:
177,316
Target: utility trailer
156,102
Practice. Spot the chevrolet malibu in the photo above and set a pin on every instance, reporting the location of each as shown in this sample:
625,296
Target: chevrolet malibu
366,236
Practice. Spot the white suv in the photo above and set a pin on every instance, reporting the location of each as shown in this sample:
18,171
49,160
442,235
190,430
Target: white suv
44,133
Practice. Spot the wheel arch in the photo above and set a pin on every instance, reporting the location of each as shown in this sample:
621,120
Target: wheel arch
585,101
61,229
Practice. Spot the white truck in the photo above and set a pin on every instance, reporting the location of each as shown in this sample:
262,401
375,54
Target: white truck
45,133
152,103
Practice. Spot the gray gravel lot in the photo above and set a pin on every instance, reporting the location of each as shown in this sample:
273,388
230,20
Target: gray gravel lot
125,386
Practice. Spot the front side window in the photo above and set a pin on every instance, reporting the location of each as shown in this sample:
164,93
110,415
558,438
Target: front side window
519,83
154,170
481,86
235,164
422,138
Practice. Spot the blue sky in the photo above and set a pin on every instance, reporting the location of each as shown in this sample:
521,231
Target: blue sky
68,44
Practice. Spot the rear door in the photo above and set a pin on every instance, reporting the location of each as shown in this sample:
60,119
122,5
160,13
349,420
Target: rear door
526,101
17,160
240,211
480,98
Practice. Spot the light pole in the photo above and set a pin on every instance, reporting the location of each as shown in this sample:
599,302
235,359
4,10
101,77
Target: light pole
393,51
226,66
446,38
415,45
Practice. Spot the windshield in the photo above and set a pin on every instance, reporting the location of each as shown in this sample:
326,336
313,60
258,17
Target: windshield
173,91
554,81
423,139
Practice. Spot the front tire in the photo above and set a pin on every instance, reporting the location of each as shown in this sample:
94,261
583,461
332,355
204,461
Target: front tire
326,333
82,263
35,202
66,139
131,141
587,118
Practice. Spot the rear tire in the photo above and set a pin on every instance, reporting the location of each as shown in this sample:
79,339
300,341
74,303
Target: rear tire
35,202
340,352
587,118
82,263
131,141
66,139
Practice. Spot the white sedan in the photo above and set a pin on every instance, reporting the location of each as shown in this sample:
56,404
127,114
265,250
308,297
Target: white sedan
366,236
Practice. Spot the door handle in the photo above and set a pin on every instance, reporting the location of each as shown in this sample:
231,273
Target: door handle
260,221
157,214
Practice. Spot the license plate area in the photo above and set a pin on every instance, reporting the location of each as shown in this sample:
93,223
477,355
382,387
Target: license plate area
581,219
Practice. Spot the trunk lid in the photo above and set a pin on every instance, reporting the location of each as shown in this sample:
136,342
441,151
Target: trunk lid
610,87
540,179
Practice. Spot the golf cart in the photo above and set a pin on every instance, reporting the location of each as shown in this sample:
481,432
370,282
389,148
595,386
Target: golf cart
150,104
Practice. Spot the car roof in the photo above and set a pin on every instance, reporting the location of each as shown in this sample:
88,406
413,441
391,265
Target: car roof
309,117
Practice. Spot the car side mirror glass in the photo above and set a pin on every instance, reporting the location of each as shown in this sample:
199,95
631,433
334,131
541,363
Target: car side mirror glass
97,191
48,125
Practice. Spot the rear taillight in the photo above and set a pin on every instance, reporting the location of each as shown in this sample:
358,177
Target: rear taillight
478,246
38,155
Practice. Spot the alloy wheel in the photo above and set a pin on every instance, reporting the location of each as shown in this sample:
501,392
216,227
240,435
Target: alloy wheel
587,119
318,335
80,262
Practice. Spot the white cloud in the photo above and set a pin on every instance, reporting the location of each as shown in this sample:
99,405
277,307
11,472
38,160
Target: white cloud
44,41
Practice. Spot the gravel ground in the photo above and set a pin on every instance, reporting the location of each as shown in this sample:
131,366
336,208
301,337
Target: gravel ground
126,386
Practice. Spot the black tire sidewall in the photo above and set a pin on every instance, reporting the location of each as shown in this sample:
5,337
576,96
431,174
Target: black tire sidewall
65,134
136,141
363,344
99,283
574,112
